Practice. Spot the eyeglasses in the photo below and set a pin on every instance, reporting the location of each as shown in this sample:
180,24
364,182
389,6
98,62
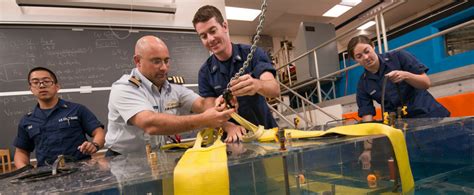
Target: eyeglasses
45,83
158,61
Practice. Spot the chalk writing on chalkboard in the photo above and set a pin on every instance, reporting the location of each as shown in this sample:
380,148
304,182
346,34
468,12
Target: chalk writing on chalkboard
92,57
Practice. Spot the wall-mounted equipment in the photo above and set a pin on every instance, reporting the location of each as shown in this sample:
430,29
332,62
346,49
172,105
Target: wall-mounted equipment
310,35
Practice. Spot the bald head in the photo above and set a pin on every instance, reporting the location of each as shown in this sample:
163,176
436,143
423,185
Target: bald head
148,43
152,59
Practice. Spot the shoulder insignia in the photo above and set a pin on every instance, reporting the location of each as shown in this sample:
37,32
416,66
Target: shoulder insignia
176,80
214,69
135,81
29,113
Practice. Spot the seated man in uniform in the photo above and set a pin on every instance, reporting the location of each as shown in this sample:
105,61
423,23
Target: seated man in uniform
55,126
144,103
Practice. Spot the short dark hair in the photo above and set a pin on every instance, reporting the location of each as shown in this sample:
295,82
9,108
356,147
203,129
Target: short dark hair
205,13
39,68
356,40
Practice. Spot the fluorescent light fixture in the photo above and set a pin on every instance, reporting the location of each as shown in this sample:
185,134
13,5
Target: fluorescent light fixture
123,5
366,25
337,10
351,3
238,13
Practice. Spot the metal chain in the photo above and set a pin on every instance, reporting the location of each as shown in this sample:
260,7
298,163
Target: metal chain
256,38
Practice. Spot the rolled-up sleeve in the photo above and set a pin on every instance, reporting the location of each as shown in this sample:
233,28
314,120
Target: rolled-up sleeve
128,100
409,63
89,121
261,63
186,98
205,87
23,140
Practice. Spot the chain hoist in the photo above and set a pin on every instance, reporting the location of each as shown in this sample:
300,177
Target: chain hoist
227,94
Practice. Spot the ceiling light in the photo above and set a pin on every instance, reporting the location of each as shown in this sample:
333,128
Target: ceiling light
351,3
366,25
237,13
337,10
122,5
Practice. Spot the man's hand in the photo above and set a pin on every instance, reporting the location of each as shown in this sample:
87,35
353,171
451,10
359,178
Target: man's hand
245,85
220,100
87,148
234,132
217,116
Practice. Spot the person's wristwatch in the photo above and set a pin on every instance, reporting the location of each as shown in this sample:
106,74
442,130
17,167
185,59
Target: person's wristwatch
97,146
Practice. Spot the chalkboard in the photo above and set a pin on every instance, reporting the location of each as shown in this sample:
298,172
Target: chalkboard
86,57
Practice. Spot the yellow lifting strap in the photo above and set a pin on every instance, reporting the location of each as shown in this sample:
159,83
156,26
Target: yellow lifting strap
202,171
256,132
394,135
185,145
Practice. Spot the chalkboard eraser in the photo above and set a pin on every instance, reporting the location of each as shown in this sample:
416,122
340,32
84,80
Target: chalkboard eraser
77,29
85,89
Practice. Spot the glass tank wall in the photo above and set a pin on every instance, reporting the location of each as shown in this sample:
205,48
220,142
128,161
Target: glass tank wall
441,158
